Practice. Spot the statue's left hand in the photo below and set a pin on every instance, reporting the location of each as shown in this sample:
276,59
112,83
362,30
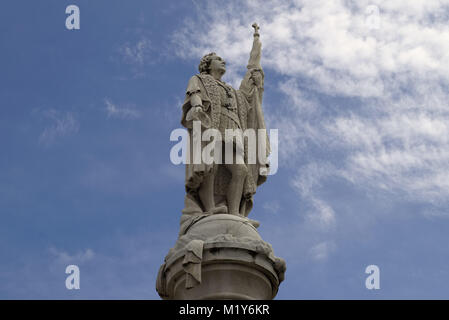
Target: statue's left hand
257,78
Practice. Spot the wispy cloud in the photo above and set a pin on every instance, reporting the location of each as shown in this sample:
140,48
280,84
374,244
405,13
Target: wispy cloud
137,53
121,112
272,207
61,124
64,257
320,215
322,250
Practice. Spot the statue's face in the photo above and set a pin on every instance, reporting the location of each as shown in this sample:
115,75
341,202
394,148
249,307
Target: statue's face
217,64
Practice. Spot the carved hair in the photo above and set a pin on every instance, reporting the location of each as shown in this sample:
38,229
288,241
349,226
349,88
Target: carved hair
205,62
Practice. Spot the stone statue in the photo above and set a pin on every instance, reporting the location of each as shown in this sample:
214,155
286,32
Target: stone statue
225,188
219,254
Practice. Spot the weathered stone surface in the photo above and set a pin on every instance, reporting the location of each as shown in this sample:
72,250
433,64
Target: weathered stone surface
235,262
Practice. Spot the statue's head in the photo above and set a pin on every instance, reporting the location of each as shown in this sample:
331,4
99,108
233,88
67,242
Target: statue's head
212,62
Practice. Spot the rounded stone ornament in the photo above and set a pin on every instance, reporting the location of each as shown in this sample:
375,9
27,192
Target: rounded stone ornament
220,256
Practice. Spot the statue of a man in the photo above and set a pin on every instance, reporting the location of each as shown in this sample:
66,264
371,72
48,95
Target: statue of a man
225,187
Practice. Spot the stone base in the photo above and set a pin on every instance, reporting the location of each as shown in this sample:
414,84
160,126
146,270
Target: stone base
220,256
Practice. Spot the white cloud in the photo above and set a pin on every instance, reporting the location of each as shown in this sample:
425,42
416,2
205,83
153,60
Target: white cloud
321,216
322,250
136,53
80,257
272,207
121,112
62,124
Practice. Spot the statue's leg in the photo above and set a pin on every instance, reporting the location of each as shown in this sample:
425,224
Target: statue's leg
239,171
206,192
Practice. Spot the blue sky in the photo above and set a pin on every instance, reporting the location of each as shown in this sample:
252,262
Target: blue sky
362,113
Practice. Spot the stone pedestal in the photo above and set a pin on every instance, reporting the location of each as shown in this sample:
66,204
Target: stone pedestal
220,256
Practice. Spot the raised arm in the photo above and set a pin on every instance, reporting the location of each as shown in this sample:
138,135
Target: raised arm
256,50
252,85
254,75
